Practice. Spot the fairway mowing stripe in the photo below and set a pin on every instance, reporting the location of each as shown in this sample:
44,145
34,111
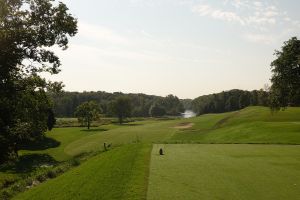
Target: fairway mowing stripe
147,169
206,171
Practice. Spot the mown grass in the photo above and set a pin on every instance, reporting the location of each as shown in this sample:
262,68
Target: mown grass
49,152
65,136
145,132
120,173
225,171
250,125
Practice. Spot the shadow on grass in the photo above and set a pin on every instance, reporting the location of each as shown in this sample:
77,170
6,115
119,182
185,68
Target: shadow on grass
94,130
44,143
27,163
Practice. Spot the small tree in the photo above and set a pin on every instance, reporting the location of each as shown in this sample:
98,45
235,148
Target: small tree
87,112
121,107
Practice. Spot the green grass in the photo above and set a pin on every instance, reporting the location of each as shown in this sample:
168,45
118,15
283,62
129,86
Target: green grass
117,174
225,171
145,132
250,125
49,152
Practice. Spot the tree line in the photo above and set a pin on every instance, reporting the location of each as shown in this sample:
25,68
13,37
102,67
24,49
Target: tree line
139,105
231,100
142,105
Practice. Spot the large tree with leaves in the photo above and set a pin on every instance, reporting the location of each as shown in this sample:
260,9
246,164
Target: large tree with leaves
87,112
28,28
285,89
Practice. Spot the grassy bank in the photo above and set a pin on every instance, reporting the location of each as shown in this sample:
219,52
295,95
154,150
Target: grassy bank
117,174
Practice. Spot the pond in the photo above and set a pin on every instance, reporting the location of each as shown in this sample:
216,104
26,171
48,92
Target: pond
188,114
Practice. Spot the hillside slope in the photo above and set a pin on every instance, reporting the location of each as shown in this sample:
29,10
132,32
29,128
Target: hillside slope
250,125
117,174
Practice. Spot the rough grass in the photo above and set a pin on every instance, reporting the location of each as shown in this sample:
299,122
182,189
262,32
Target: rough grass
225,171
117,174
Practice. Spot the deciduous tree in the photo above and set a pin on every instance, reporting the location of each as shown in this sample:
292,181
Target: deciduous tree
28,28
87,112
285,89
122,108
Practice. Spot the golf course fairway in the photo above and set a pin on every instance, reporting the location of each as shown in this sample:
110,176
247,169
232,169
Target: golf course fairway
224,171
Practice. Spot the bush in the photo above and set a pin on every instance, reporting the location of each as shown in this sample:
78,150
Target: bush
52,174
41,177
75,162
5,195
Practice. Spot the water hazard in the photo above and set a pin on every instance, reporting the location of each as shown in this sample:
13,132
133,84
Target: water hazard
188,114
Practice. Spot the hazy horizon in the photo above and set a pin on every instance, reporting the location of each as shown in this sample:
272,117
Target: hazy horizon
187,48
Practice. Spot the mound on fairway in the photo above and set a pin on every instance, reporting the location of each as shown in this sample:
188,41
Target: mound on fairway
225,171
117,174
250,125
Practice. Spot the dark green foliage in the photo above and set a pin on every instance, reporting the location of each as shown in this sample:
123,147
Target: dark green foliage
187,103
75,162
87,112
65,103
172,105
285,89
121,108
26,28
227,101
157,110
36,177
51,120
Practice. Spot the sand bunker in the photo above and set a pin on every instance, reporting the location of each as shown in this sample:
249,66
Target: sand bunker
184,125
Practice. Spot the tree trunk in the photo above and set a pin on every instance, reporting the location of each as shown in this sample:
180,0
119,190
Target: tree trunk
88,123
120,119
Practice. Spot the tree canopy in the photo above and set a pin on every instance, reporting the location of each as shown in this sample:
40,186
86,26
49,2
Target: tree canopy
65,103
231,100
27,31
122,108
87,112
157,110
285,89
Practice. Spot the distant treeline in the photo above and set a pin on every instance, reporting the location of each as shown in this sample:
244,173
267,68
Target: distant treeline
144,105
229,101
66,103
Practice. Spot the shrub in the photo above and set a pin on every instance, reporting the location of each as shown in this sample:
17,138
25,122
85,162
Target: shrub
51,173
41,177
75,162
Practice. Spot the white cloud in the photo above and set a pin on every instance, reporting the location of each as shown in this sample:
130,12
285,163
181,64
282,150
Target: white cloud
257,3
206,10
255,15
260,18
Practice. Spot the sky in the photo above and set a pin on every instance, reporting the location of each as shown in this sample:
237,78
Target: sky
183,47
